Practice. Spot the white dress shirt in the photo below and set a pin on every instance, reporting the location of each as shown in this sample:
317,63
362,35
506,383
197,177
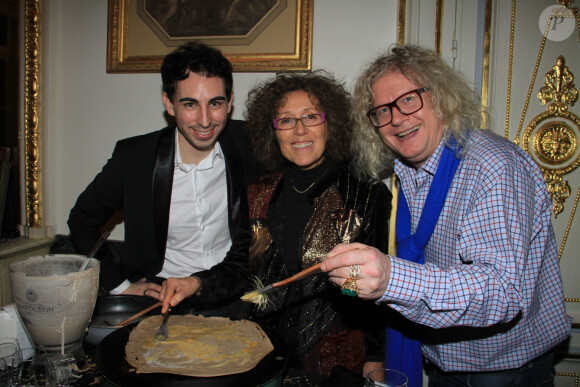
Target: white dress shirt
199,236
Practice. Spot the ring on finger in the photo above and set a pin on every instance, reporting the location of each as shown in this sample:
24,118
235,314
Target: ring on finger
145,292
349,287
355,272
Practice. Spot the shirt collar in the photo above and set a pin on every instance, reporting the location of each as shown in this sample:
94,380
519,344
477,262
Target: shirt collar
429,166
206,163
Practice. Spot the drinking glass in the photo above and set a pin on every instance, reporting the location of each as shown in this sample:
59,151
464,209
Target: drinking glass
61,369
386,378
21,372
9,347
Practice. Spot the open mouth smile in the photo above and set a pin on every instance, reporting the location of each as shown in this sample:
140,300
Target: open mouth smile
407,132
204,133
302,144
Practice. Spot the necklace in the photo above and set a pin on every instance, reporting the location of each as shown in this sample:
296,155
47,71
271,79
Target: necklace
311,185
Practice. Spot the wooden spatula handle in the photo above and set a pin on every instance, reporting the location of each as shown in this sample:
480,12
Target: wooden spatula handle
298,276
137,315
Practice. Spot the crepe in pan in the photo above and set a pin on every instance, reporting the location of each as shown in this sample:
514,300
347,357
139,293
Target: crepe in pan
197,346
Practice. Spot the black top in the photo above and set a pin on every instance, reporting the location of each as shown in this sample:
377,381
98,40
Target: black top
297,209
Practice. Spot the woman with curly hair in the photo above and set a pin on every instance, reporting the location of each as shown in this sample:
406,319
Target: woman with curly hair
309,202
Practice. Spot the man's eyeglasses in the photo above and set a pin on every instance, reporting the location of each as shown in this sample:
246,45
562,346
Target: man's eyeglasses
285,123
407,103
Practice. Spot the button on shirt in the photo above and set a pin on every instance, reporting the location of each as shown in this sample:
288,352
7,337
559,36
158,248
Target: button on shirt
491,262
198,236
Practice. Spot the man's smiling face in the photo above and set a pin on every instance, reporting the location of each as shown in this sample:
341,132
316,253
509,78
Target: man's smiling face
200,107
414,137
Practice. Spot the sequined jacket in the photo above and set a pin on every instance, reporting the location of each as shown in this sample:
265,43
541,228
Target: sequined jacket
313,314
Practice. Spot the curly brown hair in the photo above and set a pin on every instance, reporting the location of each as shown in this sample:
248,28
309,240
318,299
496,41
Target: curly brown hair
265,99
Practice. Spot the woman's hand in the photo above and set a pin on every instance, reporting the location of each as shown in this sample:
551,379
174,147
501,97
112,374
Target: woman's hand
375,268
175,290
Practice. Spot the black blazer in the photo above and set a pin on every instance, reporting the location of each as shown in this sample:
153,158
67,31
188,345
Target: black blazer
138,179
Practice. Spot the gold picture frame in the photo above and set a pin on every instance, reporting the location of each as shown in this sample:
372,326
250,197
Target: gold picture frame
280,41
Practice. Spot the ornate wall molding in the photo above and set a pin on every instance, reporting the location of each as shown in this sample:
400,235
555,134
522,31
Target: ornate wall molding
32,186
551,137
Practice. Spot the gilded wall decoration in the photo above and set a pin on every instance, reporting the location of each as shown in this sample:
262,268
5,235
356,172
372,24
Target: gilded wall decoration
552,136
266,36
32,186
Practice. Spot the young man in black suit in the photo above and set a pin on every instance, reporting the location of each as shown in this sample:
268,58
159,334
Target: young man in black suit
181,189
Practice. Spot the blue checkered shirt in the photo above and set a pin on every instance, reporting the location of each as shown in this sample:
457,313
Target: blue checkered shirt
491,273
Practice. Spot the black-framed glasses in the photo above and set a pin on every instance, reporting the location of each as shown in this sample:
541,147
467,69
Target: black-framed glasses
408,103
285,123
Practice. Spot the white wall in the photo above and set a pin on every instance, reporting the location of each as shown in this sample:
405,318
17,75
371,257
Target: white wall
88,110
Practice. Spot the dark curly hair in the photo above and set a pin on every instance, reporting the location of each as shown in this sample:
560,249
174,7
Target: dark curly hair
265,99
198,58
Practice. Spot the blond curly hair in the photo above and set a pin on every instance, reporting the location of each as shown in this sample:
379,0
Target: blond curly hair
453,100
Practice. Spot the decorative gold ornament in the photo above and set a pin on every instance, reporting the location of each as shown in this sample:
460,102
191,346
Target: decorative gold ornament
567,3
558,189
559,157
31,112
559,87
573,14
555,143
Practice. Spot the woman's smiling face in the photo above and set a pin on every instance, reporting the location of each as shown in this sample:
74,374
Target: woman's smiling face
414,137
304,145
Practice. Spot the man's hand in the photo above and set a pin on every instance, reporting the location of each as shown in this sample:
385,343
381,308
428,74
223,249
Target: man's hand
375,268
144,288
175,290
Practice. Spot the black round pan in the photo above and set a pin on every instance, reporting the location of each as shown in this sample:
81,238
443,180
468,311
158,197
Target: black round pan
111,310
111,361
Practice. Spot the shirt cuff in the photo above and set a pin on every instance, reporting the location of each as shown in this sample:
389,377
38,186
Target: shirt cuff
405,282
385,296
121,288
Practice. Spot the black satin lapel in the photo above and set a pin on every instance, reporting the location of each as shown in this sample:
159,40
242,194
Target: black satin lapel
161,187
234,175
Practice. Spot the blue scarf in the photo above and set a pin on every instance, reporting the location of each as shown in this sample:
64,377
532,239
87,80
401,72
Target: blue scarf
402,352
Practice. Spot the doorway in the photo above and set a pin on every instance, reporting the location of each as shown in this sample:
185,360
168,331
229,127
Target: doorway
9,122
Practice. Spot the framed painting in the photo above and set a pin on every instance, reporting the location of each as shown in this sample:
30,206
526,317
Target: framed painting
263,36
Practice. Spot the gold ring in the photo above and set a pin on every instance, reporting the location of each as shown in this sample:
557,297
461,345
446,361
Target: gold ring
355,272
349,287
